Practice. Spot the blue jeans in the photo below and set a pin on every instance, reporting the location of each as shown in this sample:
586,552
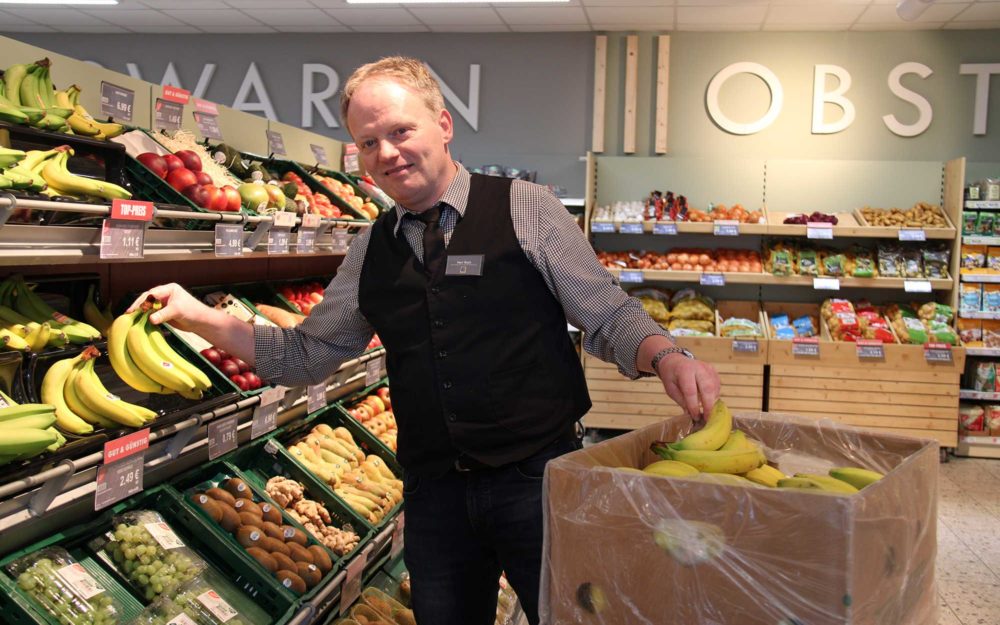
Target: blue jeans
464,528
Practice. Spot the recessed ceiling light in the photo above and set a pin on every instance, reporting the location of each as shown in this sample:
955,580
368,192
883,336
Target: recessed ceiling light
58,1
455,1
910,10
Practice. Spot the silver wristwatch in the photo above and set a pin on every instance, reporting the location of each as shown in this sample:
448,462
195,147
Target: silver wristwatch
660,355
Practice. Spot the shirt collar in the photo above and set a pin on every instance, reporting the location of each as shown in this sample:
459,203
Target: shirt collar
455,196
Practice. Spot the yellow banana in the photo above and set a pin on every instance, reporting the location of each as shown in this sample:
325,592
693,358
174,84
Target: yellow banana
737,440
122,362
52,393
805,483
92,392
670,468
726,479
38,338
718,461
765,475
28,165
81,125
165,351
41,421
829,483
109,130
13,342
150,363
92,314
18,411
858,478
62,99
77,405
714,434
25,441
55,173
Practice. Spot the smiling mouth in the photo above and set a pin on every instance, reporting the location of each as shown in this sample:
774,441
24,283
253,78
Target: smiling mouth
396,170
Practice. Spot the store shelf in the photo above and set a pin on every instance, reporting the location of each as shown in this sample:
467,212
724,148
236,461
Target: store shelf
971,394
982,204
683,227
978,446
849,227
978,314
652,275
980,277
976,240
982,351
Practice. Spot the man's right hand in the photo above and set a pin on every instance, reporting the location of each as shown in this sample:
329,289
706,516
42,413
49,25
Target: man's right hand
180,308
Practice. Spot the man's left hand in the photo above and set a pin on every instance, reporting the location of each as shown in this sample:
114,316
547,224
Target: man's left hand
693,384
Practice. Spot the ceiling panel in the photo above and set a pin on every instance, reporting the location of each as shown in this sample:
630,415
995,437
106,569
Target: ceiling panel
10,18
292,17
171,30
57,16
214,18
26,28
715,28
541,28
270,4
463,28
843,14
886,13
373,17
981,11
629,3
719,16
633,15
960,25
898,25
407,28
140,17
465,16
796,27
543,15
184,4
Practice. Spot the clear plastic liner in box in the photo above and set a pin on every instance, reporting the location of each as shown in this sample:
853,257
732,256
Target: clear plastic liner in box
201,604
623,547
64,589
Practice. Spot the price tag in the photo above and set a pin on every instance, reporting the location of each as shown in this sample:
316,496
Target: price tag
819,230
310,220
351,589
217,606
123,447
132,210
175,94
397,537
208,125
870,349
917,286
265,414
912,234
80,580
284,219
631,276
630,228
116,102
167,115
602,226
275,142
351,164
937,352
745,346
316,397
373,371
666,229
306,241
319,153
181,619
228,240
340,237
204,106
805,346
222,436
712,279
162,534
726,229
826,284
277,241
122,239
118,480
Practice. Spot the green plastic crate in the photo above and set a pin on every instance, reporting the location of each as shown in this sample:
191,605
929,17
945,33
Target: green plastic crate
281,167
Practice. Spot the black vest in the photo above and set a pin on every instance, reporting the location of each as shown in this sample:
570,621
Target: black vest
479,365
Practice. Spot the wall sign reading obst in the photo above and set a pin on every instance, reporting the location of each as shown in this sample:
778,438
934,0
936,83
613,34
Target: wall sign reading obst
837,97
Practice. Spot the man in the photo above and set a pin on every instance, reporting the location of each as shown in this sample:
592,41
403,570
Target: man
472,308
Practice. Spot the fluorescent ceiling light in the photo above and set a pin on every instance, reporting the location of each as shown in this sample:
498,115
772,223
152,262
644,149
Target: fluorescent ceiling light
910,10
58,1
455,1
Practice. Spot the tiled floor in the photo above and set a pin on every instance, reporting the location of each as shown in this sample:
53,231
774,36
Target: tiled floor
968,560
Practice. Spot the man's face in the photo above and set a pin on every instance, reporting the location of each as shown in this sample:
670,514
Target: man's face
403,145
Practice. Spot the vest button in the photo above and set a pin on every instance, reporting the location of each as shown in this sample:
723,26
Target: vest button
446,384
453,417
435,290
442,354
438,323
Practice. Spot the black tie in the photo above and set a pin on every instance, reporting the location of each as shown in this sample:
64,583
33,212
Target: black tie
434,253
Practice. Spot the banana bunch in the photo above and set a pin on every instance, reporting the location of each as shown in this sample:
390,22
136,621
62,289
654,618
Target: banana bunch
141,356
81,121
19,305
59,180
82,401
92,314
365,483
715,448
28,97
21,333
27,430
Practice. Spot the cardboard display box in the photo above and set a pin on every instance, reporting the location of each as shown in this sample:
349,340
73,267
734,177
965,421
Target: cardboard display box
626,548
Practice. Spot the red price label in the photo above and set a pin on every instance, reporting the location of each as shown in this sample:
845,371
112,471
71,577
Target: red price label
204,106
126,446
132,210
176,94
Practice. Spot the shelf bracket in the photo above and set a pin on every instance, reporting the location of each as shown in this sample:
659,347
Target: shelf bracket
41,500
8,210
263,227
181,439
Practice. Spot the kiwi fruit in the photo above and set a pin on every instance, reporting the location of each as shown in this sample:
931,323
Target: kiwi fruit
230,520
248,518
299,553
250,536
294,535
221,495
309,573
272,530
209,505
320,558
273,544
247,505
284,562
291,580
264,558
236,487
270,513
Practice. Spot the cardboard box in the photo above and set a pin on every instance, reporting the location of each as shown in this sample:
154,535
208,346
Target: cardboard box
627,548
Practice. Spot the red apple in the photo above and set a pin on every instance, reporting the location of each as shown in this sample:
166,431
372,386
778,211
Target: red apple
217,200
244,367
154,163
240,381
223,354
253,379
229,368
383,393
212,355
233,198
191,160
202,177
181,178
173,162
198,194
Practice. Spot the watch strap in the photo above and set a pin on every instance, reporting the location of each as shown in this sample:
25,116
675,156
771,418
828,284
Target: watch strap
660,355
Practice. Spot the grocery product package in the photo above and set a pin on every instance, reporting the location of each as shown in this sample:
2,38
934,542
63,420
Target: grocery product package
971,332
624,547
971,418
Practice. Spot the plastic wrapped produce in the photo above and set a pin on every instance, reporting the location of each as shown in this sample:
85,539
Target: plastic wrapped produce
199,603
150,555
64,589
387,607
625,547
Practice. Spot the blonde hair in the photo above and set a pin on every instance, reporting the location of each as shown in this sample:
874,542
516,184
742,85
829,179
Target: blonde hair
405,70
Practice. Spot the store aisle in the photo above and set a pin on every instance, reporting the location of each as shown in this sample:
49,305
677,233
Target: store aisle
968,561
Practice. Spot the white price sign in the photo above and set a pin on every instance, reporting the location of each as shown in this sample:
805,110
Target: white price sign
306,242
340,237
805,347
917,286
870,350
80,580
727,229
228,240
826,284
221,436
118,480
316,397
266,413
122,239
912,234
630,228
163,534
746,346
633,277
277,241
712,279
351,589
815,230
373,371
665,229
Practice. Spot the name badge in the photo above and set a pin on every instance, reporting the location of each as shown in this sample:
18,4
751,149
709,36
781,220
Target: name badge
471,265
